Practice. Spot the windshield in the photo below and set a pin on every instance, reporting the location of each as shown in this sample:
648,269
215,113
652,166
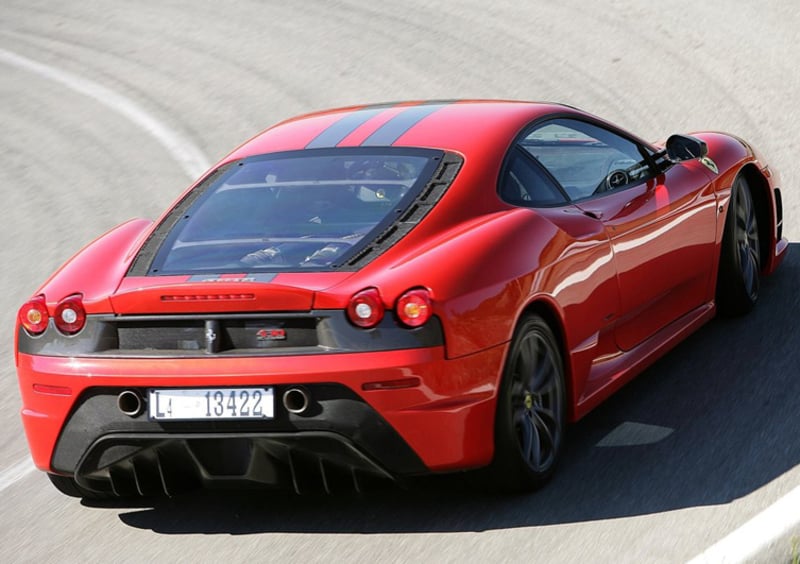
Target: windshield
302,210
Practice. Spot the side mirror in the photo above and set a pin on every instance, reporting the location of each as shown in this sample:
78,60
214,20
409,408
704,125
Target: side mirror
685,148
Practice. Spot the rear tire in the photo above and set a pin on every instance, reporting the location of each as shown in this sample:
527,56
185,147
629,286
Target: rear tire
531,410
738,280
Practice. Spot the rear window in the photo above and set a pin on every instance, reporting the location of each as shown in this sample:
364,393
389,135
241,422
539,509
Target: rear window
293,211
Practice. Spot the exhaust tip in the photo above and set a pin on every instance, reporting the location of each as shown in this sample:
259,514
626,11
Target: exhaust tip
130,403
296,400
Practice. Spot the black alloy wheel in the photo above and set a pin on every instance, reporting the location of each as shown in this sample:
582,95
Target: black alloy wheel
738,281
531,410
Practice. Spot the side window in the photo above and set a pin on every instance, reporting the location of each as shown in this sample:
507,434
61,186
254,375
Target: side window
586,159
526,184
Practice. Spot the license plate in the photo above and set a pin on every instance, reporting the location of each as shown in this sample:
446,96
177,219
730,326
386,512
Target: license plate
211,403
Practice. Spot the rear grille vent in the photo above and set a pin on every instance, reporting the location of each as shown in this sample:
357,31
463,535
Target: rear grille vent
216,335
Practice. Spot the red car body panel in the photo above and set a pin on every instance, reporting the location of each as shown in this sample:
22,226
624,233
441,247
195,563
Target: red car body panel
111,250
443,416
622,278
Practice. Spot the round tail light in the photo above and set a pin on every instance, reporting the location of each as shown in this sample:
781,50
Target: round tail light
414,307
70,317
366,308
33,316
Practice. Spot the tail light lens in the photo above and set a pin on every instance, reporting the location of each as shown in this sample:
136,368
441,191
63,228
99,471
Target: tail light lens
33,315
366,308
70,317
414,307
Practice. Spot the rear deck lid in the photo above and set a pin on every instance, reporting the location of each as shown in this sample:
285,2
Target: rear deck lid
315,211
218,293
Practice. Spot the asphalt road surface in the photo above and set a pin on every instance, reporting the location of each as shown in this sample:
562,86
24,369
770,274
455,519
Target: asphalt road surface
108,108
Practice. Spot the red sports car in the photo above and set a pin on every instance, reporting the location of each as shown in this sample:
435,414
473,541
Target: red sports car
388,290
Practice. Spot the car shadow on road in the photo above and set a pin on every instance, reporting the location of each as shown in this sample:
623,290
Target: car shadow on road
724,403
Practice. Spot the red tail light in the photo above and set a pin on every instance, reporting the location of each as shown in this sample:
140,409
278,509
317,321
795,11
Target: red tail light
366,308
70,317
33,315
414,307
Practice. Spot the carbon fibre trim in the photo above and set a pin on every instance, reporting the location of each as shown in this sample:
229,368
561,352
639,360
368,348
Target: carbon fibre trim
317,332
156,465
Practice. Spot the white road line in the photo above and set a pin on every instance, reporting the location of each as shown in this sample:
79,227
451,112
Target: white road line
190,158
15,473
754,536
187,154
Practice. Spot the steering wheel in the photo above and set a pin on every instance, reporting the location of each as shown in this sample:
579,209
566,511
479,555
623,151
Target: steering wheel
614,180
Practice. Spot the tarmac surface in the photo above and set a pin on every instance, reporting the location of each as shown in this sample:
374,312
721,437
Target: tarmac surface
108,109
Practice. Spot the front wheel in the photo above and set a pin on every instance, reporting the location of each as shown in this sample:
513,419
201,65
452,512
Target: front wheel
531,410
740,256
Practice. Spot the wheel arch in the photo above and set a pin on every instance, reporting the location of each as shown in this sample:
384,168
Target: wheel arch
551,315
760,192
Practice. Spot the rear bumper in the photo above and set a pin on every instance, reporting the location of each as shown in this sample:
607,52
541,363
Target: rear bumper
338,443
444,422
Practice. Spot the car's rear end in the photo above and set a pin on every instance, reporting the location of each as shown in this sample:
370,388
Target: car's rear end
240,341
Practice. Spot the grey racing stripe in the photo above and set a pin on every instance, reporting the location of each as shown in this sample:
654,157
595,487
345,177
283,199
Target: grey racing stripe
391,131
335,133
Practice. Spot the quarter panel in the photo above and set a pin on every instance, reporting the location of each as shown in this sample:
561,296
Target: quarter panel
97,269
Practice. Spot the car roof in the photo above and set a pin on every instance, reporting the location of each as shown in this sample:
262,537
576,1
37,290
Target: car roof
463,126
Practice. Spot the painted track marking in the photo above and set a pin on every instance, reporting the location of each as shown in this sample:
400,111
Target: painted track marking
755,535
15,473
187,154
190,158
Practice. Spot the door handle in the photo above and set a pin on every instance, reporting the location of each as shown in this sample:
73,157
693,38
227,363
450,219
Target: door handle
589,213
593,213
